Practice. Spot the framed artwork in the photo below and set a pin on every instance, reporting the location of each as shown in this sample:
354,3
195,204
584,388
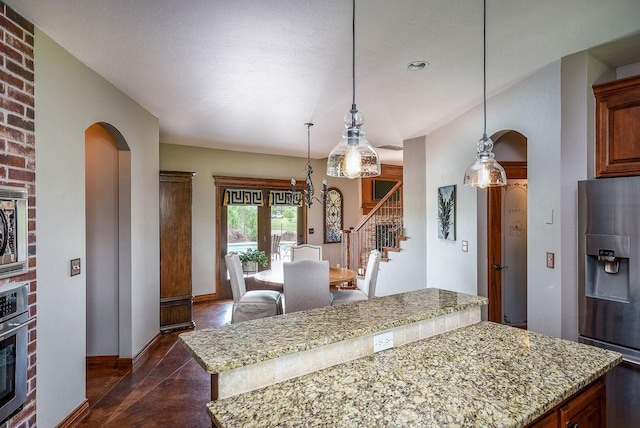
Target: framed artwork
447,212
333,216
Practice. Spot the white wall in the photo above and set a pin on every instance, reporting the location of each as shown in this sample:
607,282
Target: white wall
70,98
406,270
532,107
628,70
209,162
101,267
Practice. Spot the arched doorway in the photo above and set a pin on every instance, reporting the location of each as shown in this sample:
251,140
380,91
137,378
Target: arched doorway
108,245
507,234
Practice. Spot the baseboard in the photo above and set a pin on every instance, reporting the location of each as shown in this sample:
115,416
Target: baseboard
76,416
204,298
114,362
124,363
102,362
144,353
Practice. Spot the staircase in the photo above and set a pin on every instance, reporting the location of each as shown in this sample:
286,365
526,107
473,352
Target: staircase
381,229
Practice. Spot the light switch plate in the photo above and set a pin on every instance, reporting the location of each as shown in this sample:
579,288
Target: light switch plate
465,246
311,231
551,260
75,267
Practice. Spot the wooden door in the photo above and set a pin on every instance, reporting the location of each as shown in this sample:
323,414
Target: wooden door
175,250
514,170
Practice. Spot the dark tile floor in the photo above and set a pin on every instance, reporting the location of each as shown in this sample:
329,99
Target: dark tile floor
168,389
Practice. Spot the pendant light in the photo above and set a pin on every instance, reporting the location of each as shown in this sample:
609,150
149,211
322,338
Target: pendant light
307,195
353,157
485,171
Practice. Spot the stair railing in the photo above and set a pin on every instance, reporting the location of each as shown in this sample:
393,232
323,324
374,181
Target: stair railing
381,229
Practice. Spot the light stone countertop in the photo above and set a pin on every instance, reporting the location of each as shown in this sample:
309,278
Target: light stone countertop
245,343
484,374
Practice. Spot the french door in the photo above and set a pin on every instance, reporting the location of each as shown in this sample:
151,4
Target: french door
255,223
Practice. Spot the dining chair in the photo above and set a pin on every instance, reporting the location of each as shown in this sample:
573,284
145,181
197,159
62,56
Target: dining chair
306,252
253,304
275,246
306,285
366,288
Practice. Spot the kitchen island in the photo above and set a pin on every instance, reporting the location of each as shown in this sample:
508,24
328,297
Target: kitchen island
484,374
253,354
446,367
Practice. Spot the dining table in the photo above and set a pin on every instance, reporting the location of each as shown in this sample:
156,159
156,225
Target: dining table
274,277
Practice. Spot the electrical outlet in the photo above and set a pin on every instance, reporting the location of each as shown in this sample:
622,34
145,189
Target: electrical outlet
75,267
383,341
551,260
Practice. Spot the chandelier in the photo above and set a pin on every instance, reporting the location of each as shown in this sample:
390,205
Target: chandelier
307,195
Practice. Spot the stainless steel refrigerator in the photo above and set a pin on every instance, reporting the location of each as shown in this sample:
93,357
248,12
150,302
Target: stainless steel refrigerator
609,285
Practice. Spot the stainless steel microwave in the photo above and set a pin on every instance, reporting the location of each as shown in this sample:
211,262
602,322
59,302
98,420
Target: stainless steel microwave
14,234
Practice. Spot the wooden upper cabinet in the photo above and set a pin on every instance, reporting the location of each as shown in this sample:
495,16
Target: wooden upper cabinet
374,188
618,127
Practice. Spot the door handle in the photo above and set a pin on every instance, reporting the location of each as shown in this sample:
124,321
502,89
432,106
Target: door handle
498,267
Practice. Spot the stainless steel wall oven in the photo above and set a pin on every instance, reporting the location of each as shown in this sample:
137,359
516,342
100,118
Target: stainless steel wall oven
14,320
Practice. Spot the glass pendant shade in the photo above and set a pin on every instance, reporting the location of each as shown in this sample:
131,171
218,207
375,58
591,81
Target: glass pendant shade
485,171
353,156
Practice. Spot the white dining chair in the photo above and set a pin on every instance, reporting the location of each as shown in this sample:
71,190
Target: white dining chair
253,304
306,285
366,288
306,252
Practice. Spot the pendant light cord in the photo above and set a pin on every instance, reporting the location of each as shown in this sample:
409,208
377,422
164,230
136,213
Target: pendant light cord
353,55
484,65
309,125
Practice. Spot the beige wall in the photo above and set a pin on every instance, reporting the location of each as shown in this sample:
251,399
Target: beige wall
70,98
209,162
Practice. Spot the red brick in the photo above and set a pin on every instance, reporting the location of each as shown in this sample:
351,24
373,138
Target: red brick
11,133
19,70
11,80
11,53
20,46
20,96
12,160
21,149
21,123
7,104
11,27
21,175
19,19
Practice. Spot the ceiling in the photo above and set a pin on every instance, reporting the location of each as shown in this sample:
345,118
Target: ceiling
247,74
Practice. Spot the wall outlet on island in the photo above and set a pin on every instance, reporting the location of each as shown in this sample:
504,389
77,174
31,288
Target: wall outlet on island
383,341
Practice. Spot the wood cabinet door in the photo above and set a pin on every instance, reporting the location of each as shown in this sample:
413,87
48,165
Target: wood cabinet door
587,410
175,250
618,127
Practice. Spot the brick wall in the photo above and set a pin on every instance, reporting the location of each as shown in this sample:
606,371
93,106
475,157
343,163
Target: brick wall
18,161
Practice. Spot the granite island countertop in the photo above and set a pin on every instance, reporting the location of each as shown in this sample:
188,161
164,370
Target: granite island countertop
485,374
242,344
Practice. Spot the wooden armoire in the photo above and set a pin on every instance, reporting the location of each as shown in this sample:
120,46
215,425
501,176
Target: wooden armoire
176,298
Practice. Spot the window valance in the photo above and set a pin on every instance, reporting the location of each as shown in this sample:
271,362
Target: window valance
243,197
256,197
283,197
